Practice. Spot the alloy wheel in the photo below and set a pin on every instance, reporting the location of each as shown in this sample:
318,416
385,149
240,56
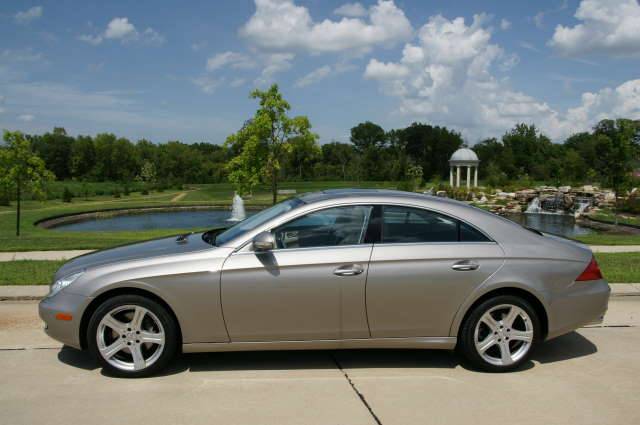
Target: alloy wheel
130,338
503,335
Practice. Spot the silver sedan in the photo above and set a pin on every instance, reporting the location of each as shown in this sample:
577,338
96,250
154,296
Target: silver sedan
330,270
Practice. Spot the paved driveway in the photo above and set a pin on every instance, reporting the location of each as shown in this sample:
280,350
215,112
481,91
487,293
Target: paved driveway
587,377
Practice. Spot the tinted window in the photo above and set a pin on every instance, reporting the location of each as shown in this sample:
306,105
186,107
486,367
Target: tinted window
405,225
401,224
330,227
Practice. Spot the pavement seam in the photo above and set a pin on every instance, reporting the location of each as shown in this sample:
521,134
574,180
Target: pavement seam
355,389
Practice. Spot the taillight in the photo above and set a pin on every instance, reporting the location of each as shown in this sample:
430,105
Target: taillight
592,272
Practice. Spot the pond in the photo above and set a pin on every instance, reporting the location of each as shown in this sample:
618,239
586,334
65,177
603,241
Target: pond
558,224
184,219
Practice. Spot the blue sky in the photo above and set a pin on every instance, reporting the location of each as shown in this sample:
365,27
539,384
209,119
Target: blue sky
182,70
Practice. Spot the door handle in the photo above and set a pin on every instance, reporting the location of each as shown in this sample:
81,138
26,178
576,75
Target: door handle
350,270
465,266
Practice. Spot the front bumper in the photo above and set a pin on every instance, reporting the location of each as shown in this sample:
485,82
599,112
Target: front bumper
582,303
65,331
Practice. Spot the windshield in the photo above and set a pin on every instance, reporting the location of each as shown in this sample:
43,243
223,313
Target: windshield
257,220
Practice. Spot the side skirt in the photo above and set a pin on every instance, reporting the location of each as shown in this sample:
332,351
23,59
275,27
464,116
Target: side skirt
444,343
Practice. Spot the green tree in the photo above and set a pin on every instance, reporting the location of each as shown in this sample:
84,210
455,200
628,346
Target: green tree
370,140
617,147
338,153
22,169
304,152
264,140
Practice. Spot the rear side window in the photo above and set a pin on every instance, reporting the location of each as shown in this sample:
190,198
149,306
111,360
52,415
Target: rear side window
408,225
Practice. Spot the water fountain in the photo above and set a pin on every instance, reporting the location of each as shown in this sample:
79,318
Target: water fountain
534,207
237,209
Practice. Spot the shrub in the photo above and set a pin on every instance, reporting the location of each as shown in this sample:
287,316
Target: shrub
144,192
116,192
126,190
67,195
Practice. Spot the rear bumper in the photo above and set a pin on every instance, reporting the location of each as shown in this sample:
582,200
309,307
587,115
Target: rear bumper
65,331
580,304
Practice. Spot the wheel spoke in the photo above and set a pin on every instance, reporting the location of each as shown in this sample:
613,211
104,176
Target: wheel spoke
113,349
114,324
526,336
505,353
488,320
154,338
138,316
511,316
138,359
486,343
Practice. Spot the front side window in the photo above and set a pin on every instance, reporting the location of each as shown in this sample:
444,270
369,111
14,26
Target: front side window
257,220
409,225
330,227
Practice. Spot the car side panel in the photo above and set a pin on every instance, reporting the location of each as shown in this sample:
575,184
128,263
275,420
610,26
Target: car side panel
413,291
188,283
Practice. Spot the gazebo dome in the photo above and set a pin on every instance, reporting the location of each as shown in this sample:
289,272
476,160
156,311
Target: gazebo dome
464,155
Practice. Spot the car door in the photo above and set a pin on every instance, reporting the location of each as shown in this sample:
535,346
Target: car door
310,287
422,269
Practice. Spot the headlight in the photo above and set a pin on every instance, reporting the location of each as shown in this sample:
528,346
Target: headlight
60,284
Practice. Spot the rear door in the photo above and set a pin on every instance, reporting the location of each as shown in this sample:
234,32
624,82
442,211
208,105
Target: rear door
422,269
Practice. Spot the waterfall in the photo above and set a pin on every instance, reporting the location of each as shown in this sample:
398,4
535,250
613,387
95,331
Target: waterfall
237,209
534,206
582,206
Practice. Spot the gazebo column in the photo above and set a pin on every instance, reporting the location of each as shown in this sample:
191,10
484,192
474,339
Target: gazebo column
468,177
458,176
450,175
475,177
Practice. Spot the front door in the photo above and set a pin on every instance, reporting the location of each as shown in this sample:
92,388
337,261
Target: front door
311,287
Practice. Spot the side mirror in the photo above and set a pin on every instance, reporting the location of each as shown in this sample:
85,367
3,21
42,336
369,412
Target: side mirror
264,242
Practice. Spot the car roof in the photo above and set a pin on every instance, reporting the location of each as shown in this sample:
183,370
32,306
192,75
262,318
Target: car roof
331,194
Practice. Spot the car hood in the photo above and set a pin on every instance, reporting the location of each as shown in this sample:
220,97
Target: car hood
154,248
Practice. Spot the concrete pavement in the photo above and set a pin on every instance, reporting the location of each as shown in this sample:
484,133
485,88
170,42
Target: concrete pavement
589,377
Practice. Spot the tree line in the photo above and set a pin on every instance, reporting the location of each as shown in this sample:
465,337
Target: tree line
272,147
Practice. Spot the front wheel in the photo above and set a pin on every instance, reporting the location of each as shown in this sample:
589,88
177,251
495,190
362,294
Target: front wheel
132,336
500,334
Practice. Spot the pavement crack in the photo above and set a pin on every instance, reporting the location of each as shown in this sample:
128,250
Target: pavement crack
355,389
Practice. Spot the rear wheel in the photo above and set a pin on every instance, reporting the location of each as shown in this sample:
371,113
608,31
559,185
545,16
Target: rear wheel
132,336
500,334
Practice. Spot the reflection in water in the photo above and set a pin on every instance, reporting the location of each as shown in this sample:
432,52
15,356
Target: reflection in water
557,224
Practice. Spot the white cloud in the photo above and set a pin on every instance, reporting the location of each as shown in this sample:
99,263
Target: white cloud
352,10
28,15
26,117
281,24
314,76
207,84
23,55
505,24
124,31
448,77
120,28
274,64
529,46
623,101
232,59
608,27
538,20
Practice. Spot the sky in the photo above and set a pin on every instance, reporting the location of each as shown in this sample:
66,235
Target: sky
183,70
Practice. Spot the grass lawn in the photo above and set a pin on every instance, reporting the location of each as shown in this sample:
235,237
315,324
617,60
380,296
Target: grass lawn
26,272
608,239
616,267
623,267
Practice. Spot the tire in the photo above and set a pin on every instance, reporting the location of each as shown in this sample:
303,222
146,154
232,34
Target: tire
501,344
132,336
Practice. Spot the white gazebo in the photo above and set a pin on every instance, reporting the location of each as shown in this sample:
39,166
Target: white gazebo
463,157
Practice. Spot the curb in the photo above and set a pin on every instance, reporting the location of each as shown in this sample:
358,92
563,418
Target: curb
38,292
